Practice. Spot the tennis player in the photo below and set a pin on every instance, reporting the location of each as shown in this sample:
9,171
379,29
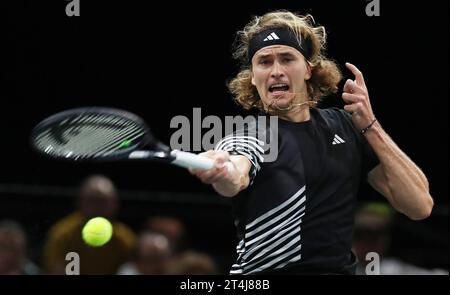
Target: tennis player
295,214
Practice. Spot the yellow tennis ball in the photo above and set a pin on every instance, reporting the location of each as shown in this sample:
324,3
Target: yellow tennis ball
97,232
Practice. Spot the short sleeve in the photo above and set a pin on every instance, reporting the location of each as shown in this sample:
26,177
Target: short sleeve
246,142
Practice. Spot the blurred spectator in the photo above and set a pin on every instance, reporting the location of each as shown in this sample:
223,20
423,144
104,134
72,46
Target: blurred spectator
13,250
171,227
152,255
192,263
372,234
97,197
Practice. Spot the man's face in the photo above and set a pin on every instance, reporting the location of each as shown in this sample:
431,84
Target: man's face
277,72
153,254
95,203
12,253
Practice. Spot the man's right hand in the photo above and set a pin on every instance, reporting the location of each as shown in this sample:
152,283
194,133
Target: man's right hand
228,176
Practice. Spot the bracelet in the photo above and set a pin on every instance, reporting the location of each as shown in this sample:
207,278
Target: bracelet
364,130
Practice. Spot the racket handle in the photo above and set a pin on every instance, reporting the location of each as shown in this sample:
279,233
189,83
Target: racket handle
190,160
193,161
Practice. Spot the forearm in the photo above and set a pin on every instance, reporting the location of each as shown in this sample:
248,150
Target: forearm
407,185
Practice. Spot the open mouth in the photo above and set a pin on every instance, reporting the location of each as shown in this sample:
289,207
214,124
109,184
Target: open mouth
279,87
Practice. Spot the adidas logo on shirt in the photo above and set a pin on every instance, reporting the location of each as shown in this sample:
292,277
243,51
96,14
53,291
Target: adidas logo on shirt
337,140
272,36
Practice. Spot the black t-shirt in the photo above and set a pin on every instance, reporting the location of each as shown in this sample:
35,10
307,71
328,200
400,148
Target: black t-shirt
297,214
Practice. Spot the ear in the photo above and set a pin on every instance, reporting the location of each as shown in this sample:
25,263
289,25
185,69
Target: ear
253,80
308,71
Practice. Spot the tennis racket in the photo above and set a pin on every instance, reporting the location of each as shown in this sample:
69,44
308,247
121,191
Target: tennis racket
106,134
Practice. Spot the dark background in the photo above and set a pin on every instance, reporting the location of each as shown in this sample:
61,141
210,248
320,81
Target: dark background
161,60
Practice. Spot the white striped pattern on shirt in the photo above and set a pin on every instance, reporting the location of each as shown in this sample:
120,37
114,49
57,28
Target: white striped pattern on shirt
272,240
247,146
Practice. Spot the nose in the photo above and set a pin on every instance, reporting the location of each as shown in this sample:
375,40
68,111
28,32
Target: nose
277,71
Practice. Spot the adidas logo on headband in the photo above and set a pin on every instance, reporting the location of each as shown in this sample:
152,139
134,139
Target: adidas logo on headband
279,36
272,36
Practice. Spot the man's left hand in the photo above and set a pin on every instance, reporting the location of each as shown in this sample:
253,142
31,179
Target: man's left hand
357,98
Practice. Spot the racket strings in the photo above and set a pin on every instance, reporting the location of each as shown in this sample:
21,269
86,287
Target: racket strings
102,140
88,128
104,129
115,144
91,135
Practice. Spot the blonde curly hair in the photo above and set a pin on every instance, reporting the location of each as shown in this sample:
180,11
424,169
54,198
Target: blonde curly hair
325,74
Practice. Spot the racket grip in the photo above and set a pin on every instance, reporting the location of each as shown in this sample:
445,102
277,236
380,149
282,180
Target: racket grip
190,160
193,161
